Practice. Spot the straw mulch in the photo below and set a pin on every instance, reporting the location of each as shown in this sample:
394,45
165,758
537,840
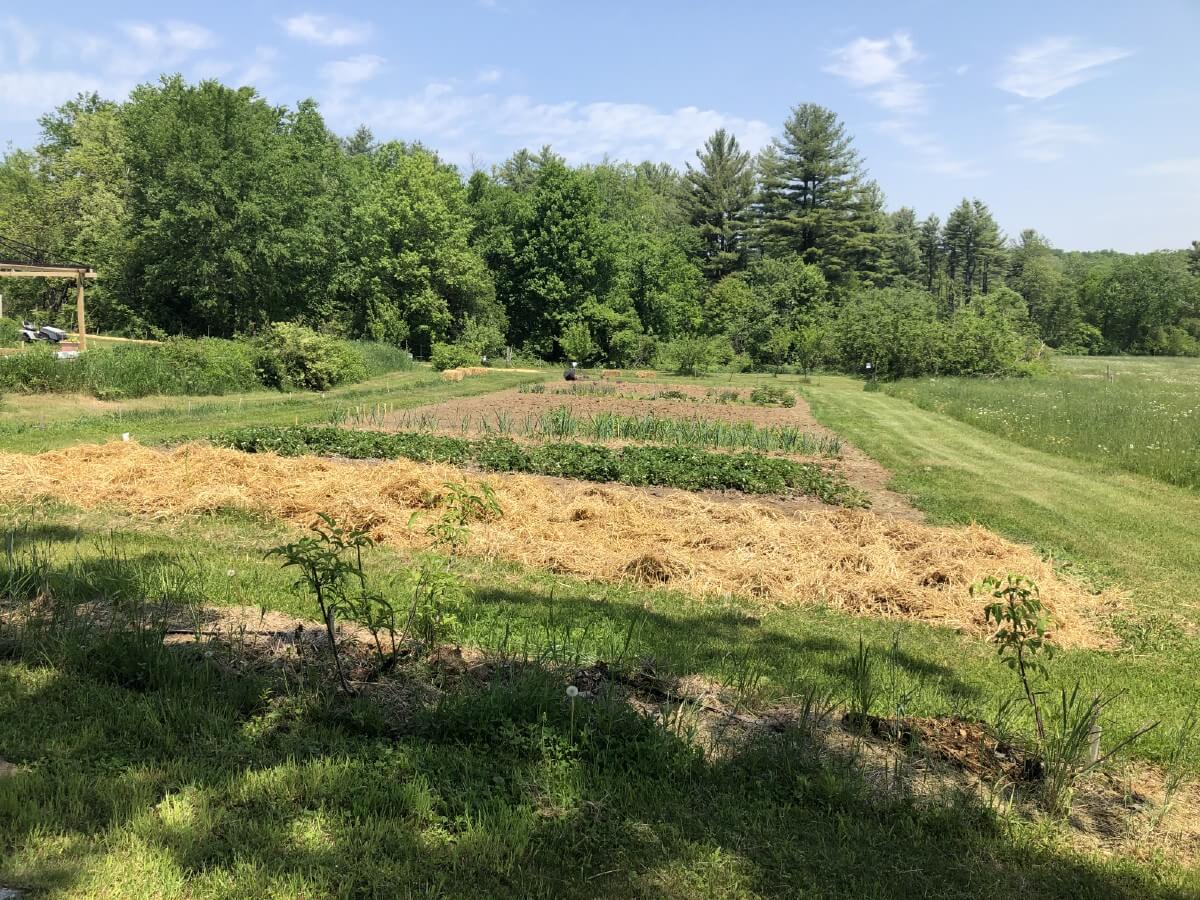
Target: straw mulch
852,560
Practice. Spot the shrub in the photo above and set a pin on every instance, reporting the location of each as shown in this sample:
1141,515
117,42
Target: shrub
769,395
292,356
692,355
10,333
577,344
901,334
381,358
480,338
452,356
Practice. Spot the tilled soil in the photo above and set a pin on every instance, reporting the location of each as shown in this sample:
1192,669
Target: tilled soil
637,399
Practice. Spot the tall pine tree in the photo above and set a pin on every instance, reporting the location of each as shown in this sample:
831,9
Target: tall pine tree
716,198
811,200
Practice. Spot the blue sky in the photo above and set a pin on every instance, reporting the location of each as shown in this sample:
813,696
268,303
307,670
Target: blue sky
1079,119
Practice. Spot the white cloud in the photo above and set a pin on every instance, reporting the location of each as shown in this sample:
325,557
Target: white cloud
170,39
40,75
326,30
457,121
354,70
1045,140
27,94
20,41
879,65
1054,64
260,68
489,76
1187,168
934,155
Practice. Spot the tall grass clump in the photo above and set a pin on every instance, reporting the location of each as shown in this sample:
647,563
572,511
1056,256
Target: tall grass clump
605,426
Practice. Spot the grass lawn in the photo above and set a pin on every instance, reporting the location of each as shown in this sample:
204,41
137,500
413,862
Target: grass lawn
1110,525
1140,416
34,423
146,772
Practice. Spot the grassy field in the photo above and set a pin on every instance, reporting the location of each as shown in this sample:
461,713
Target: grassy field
1140,416
144,771
31,424
152,773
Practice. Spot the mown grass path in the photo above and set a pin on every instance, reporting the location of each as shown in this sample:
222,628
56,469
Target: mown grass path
1136,531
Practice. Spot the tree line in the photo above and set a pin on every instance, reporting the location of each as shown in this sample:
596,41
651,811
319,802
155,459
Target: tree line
209,211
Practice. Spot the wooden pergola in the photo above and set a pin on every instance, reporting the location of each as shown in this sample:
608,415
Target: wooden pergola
18,260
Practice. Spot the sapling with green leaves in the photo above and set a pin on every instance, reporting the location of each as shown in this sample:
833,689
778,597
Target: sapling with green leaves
1021,624
324,569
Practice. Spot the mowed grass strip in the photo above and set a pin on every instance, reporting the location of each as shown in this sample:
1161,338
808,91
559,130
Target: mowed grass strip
1112,526
1119,420
679,467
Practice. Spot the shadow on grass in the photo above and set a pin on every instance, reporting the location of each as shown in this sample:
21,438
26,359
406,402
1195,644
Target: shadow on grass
228,786
706,640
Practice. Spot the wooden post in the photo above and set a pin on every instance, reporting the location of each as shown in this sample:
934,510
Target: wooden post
81,324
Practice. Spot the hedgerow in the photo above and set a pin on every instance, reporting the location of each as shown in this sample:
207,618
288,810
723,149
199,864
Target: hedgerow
679,467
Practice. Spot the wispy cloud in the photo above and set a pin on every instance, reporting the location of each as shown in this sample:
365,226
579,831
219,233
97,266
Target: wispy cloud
1188,168
880,67
22,44
1053,64
354,70
878,64
489,76
1045,140
934,155
326,31
462,122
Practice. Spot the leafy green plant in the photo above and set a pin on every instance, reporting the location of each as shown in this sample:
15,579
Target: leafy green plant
292,356
452,356
461,505
437,599
576,342
771,395
681,467
324,569
1020,637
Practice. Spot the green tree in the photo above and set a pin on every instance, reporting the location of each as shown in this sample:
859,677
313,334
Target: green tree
232,204
931,248
904,244
973,251
576,343
717,197
551,252
1138,300
412,273
811,200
